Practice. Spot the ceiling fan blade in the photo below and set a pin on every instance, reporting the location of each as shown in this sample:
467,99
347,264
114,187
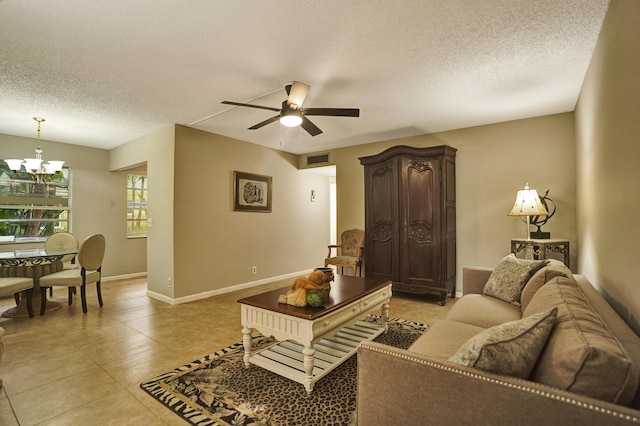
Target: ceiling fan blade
265,122
297,93
333,112
250,105
311,128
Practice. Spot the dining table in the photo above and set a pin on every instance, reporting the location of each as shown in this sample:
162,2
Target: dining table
32,263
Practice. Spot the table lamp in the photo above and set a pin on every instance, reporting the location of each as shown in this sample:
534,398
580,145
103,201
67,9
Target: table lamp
528,204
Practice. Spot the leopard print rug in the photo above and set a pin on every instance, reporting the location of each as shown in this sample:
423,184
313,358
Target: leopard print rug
218,390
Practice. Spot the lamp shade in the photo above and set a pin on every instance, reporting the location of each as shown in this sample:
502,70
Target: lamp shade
528,204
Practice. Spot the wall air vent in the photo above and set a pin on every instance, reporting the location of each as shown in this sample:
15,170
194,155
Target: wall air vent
317,159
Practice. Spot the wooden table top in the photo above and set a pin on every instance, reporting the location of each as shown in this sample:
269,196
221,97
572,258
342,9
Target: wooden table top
345,289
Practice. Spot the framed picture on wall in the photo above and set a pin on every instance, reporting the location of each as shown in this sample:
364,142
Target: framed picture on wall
251,192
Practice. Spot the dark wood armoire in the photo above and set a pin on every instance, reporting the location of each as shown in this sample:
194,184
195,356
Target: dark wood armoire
410,218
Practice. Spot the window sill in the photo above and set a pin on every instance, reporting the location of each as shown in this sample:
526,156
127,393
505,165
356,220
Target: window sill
133,237
21,240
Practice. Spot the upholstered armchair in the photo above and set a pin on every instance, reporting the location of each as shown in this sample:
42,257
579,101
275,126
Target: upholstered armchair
349,252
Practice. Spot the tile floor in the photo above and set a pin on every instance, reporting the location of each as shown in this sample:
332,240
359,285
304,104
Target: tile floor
70,368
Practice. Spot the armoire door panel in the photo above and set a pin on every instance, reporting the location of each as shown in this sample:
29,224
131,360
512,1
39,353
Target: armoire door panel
382,239
419,190
381,260
382,195
420,194
420,266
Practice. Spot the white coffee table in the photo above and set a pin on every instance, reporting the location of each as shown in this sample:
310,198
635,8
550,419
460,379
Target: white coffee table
311,342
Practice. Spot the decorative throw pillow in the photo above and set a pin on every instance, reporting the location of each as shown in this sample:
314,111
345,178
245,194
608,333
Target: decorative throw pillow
510,276
511,348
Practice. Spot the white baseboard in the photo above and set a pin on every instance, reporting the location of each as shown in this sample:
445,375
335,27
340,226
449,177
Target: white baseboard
124,277
216,292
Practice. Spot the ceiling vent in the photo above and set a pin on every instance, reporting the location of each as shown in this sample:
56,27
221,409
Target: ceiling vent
313,160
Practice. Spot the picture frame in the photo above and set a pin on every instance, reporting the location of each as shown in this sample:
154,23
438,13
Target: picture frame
251,192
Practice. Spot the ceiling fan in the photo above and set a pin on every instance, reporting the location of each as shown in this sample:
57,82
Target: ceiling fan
292,114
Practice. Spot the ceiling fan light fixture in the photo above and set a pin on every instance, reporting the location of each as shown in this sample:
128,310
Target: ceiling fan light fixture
292,115
290,118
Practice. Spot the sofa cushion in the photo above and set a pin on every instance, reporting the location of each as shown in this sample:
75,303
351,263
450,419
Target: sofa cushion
555,268
510,276
443,338
511,348
483,311
582,354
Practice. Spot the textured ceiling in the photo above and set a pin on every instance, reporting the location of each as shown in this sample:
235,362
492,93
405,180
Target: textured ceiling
103,73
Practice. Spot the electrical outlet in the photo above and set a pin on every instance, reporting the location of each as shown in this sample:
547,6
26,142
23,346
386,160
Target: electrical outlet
254,270
169,282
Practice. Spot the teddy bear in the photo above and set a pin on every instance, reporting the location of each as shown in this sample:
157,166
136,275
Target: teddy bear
297,295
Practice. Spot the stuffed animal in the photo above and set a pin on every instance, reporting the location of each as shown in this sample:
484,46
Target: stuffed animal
297,295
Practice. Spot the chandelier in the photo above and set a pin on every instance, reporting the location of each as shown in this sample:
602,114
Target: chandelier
34,166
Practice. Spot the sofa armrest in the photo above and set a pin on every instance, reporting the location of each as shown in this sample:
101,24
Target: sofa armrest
474,278
399,387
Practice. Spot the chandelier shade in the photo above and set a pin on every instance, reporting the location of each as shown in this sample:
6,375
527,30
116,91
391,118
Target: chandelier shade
14,164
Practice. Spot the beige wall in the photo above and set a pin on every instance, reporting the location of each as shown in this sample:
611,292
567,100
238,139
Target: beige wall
215,247
157,151
493,162
223,246
608,155
93,188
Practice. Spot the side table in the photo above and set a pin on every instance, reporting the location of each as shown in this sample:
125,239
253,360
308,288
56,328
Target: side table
541,249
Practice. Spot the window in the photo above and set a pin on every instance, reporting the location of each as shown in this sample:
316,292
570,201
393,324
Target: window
136,205
31,210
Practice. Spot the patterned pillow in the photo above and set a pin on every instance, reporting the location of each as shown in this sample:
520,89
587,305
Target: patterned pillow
510,276
511,348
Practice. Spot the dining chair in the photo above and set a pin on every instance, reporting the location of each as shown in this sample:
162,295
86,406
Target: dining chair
90,256
16,286
348,252
62,241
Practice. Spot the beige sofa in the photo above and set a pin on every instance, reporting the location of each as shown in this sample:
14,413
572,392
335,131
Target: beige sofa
587,372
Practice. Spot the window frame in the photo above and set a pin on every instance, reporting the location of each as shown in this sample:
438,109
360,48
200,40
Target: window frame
137,204
23,200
